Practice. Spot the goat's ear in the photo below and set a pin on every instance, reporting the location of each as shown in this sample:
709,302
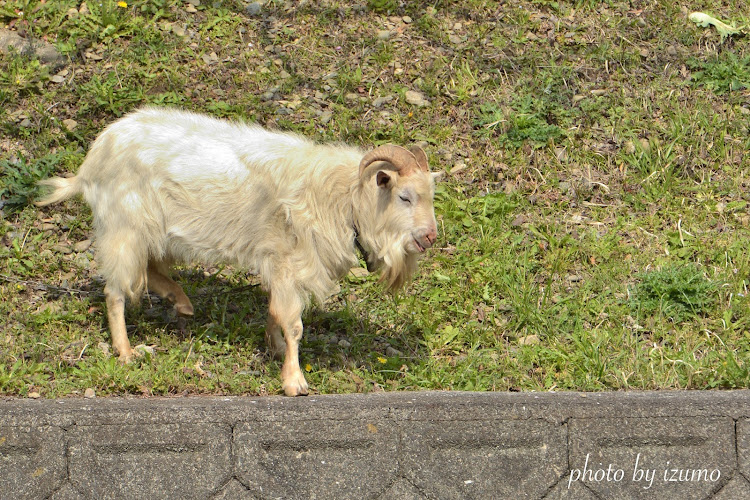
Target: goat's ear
383,179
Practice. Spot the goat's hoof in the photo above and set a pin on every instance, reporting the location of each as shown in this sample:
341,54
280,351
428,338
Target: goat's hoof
127,356
296,386
184,309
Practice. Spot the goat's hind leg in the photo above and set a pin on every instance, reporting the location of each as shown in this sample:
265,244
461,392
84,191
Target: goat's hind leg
123,263
160,282
274,338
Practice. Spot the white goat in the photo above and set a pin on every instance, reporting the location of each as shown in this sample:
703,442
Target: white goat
166,186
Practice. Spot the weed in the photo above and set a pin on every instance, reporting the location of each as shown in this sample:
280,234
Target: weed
676,292
18,179
724,73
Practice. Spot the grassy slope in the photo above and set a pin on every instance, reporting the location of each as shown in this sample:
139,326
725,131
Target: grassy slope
593,220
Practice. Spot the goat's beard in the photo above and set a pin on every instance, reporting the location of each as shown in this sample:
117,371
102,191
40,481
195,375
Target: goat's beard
397,265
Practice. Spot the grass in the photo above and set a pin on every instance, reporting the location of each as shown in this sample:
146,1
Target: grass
593,217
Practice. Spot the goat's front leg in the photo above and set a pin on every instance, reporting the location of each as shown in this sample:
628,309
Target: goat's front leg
285,310
116,314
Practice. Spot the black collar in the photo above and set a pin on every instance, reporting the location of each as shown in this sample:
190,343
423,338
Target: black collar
358,244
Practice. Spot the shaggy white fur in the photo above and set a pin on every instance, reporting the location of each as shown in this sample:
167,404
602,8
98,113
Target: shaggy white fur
167,185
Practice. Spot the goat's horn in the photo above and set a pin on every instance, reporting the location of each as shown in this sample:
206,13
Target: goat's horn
421,157
401,158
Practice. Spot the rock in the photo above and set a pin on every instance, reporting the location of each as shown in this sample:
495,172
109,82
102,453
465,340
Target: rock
528,340
62,248
34,395
46,52
89,393
326,116
104,347
407,19
57,79
253,9
194,3
70,124
393,353
629,147
178,30
211,58
384,34
82,246
143,348
345,344
416,98
519,221
459,166
380,101
358,272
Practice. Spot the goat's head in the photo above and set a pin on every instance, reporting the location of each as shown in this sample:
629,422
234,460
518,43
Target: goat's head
404,216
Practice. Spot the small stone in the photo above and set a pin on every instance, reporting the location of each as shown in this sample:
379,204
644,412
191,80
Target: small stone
82,246
378,102
25,123
415,98
407,19
672,50
57,79
599,92
104,347
70,124
358,272
178,30
459,166
62,248
345,344
528,340
629,147
211,58
384,34
143,348
253,9
325,117
194,3
518,221
191,9
393,353
34,395
578,98
89,393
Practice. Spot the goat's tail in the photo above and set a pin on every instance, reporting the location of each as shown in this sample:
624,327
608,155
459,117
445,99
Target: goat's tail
64,189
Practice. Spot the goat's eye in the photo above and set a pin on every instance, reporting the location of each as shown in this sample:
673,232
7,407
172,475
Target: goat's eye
405,199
